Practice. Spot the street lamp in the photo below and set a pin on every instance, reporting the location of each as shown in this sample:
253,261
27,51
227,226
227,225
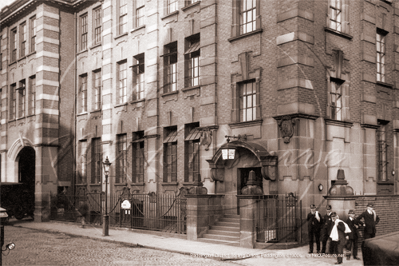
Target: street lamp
106,165
229,151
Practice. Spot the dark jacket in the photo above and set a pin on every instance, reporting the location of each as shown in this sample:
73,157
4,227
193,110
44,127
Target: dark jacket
341,233
313,223
351,223
369,222
327,226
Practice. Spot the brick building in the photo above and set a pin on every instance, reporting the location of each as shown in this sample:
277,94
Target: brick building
299,89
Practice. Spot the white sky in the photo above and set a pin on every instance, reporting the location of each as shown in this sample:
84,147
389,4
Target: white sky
4,3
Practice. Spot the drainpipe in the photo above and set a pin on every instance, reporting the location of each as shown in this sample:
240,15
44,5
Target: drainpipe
75,105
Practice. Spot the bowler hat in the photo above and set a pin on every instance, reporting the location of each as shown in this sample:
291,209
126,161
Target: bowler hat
351,212
370,205
312,206
333,214
328,207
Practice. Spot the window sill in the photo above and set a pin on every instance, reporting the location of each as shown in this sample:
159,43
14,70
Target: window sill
120,184
137,101
82,52
186,184
388,85
235,38
388,182
120,105
22,58
257,122
20,118
12,63
31,115
95,111
170,15
12,120
339,33
169,93
138,184
31,53
190,6
83,113
191,88
170,184
339,123
95,46
137,29
121,35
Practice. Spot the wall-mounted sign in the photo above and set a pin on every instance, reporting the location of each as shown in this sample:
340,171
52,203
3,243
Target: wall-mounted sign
126,204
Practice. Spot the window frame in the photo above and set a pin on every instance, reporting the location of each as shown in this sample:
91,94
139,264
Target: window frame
138,157
139,13
83,93
192,59
172,6
97,25
170,155
122,86
13,44
121,158
381,55
336,99
243,110
96,163
82,170
122,17
170,67
237,8
382,151
21,98
13,101
138,77
1,54
32,26
97,90
83,31
22,39
32,95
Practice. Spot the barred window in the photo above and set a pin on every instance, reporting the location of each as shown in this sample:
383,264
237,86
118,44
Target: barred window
97,16
139,78
248,101
122,83
96,162
170,67
121,146
381,52
83,32
97,90
122,16
170,155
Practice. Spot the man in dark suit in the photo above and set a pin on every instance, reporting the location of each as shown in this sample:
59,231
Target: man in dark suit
326,230
353,235
338,237
314,225
371,219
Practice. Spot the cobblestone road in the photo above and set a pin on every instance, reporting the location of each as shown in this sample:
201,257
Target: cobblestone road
41,248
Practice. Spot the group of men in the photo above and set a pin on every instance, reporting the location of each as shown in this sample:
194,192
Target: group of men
329,229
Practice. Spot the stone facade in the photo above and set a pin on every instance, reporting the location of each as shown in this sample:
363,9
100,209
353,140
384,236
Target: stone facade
293,56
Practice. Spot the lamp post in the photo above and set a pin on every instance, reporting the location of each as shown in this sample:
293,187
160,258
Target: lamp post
106,165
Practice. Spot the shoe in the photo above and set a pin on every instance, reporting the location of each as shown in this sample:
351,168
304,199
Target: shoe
338,262
356,258
318,252
310,252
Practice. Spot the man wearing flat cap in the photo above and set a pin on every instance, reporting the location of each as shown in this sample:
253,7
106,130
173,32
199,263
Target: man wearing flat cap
326,230
339,235
371,219
353,235
314,225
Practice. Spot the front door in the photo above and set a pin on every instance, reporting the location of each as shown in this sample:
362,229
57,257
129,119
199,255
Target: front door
242,179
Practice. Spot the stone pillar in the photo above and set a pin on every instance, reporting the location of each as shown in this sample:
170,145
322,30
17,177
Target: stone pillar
248,203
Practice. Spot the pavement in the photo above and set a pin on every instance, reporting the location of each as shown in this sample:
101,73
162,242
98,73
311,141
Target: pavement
167,242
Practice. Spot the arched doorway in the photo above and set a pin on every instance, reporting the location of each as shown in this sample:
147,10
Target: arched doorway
26,177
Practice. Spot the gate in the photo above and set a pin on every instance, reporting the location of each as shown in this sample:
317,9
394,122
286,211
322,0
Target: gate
278,219
160,212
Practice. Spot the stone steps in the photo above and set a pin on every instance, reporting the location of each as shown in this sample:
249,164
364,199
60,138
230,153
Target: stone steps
225,231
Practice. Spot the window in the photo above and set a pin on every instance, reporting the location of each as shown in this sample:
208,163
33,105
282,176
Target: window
22,32
97,90
122,83
248,100
170,67
138,157
190,2
13,104
1,55
21,98
338,15
82,172
121,158
97,25
170,155
1,91
246,17
192,55
122,16
32,34
336,99
13,44
83,93
171,6
382,152
138,78
32,93
192,153
96,163
380,43
139,19
83,32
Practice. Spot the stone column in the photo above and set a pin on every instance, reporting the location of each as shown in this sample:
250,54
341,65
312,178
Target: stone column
197,211
248,203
